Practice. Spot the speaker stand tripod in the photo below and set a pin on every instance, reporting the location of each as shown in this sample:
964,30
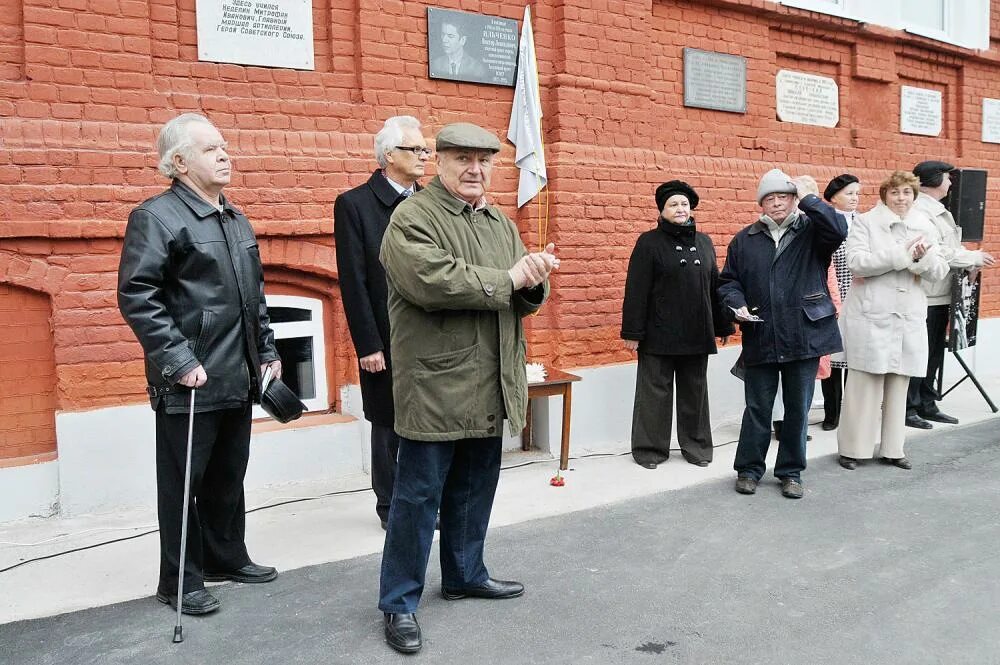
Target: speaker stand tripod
968,375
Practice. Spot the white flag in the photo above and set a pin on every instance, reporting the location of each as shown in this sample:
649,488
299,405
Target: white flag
525,128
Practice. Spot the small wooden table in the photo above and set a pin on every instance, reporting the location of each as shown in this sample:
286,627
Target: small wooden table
556,382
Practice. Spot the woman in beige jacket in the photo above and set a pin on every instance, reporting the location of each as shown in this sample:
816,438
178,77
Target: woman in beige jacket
883,321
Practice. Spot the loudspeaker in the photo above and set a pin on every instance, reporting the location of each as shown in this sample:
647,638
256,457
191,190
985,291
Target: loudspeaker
966,201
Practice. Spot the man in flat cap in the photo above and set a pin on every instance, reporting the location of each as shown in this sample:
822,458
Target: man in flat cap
774,284
935,181
460,280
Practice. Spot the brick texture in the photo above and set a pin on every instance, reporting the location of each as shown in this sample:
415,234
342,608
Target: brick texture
85,84
27,374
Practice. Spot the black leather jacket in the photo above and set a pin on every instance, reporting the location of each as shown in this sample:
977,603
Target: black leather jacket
191,286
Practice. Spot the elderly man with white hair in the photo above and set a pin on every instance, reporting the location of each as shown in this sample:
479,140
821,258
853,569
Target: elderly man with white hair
190,285
361,216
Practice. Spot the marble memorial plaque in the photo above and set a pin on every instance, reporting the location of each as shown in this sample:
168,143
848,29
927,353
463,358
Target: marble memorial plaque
991,120
471,47
807,99
716,81
919,111
270,33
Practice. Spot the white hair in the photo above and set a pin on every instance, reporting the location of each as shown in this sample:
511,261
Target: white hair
391,135
175,139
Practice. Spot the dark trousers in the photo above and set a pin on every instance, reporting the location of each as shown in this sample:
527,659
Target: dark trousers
922,395
457,477
216,515
385,448
798,380
652,414
833,395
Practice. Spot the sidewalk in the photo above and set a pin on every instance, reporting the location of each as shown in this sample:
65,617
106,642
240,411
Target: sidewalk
344,526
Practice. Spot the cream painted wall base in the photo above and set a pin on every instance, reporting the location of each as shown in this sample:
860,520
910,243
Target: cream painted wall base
106,456
29,491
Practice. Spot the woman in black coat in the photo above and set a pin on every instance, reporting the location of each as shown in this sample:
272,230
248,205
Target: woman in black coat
671,316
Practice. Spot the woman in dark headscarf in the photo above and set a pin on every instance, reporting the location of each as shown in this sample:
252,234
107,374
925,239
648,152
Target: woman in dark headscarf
671,316
843,193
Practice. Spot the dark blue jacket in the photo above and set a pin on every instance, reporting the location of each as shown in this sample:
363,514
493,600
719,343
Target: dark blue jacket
786,285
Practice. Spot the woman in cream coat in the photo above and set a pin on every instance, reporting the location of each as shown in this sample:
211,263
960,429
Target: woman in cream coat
883,321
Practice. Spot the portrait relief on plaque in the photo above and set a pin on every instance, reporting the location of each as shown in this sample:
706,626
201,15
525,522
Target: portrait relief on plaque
269,33
471,47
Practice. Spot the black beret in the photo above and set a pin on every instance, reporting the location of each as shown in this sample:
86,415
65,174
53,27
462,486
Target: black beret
929,172
838,184
668,189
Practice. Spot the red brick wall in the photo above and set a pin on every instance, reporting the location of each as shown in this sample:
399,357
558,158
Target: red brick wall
84,85
27,374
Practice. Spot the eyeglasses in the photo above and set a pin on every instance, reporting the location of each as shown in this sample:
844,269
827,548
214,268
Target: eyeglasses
415,149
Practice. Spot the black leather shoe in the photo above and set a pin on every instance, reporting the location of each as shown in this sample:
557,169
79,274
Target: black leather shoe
918,422
828,426
900,462
248,574
491,588
691,459
848,463
940,417
402,632
193,602
647,465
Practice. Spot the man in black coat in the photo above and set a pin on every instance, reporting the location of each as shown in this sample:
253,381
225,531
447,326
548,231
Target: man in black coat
191,287
361,216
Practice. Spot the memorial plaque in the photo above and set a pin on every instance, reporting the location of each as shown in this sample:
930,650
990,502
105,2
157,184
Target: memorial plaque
271,33
991,120
471,47
716,81
919,111
807,99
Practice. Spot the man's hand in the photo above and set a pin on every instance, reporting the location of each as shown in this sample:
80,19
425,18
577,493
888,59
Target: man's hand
743,315
805,185
275,366
532,269
988,260
196,378
373,363
631,344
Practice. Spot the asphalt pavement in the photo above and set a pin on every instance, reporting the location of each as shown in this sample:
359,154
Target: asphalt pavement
876,566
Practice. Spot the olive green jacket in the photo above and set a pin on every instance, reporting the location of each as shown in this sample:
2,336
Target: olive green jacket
458,347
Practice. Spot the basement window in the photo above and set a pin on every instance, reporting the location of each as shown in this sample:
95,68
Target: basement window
298,333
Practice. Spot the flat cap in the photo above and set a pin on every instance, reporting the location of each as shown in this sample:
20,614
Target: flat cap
466,135
930,172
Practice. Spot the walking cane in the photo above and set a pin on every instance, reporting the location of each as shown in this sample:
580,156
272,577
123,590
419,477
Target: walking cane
178,629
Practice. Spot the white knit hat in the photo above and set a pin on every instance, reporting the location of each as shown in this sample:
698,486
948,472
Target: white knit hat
775,181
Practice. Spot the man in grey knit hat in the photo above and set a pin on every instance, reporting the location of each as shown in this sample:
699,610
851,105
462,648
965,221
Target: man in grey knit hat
774,286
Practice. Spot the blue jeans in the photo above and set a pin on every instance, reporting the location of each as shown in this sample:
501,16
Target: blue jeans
457,477
798,379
